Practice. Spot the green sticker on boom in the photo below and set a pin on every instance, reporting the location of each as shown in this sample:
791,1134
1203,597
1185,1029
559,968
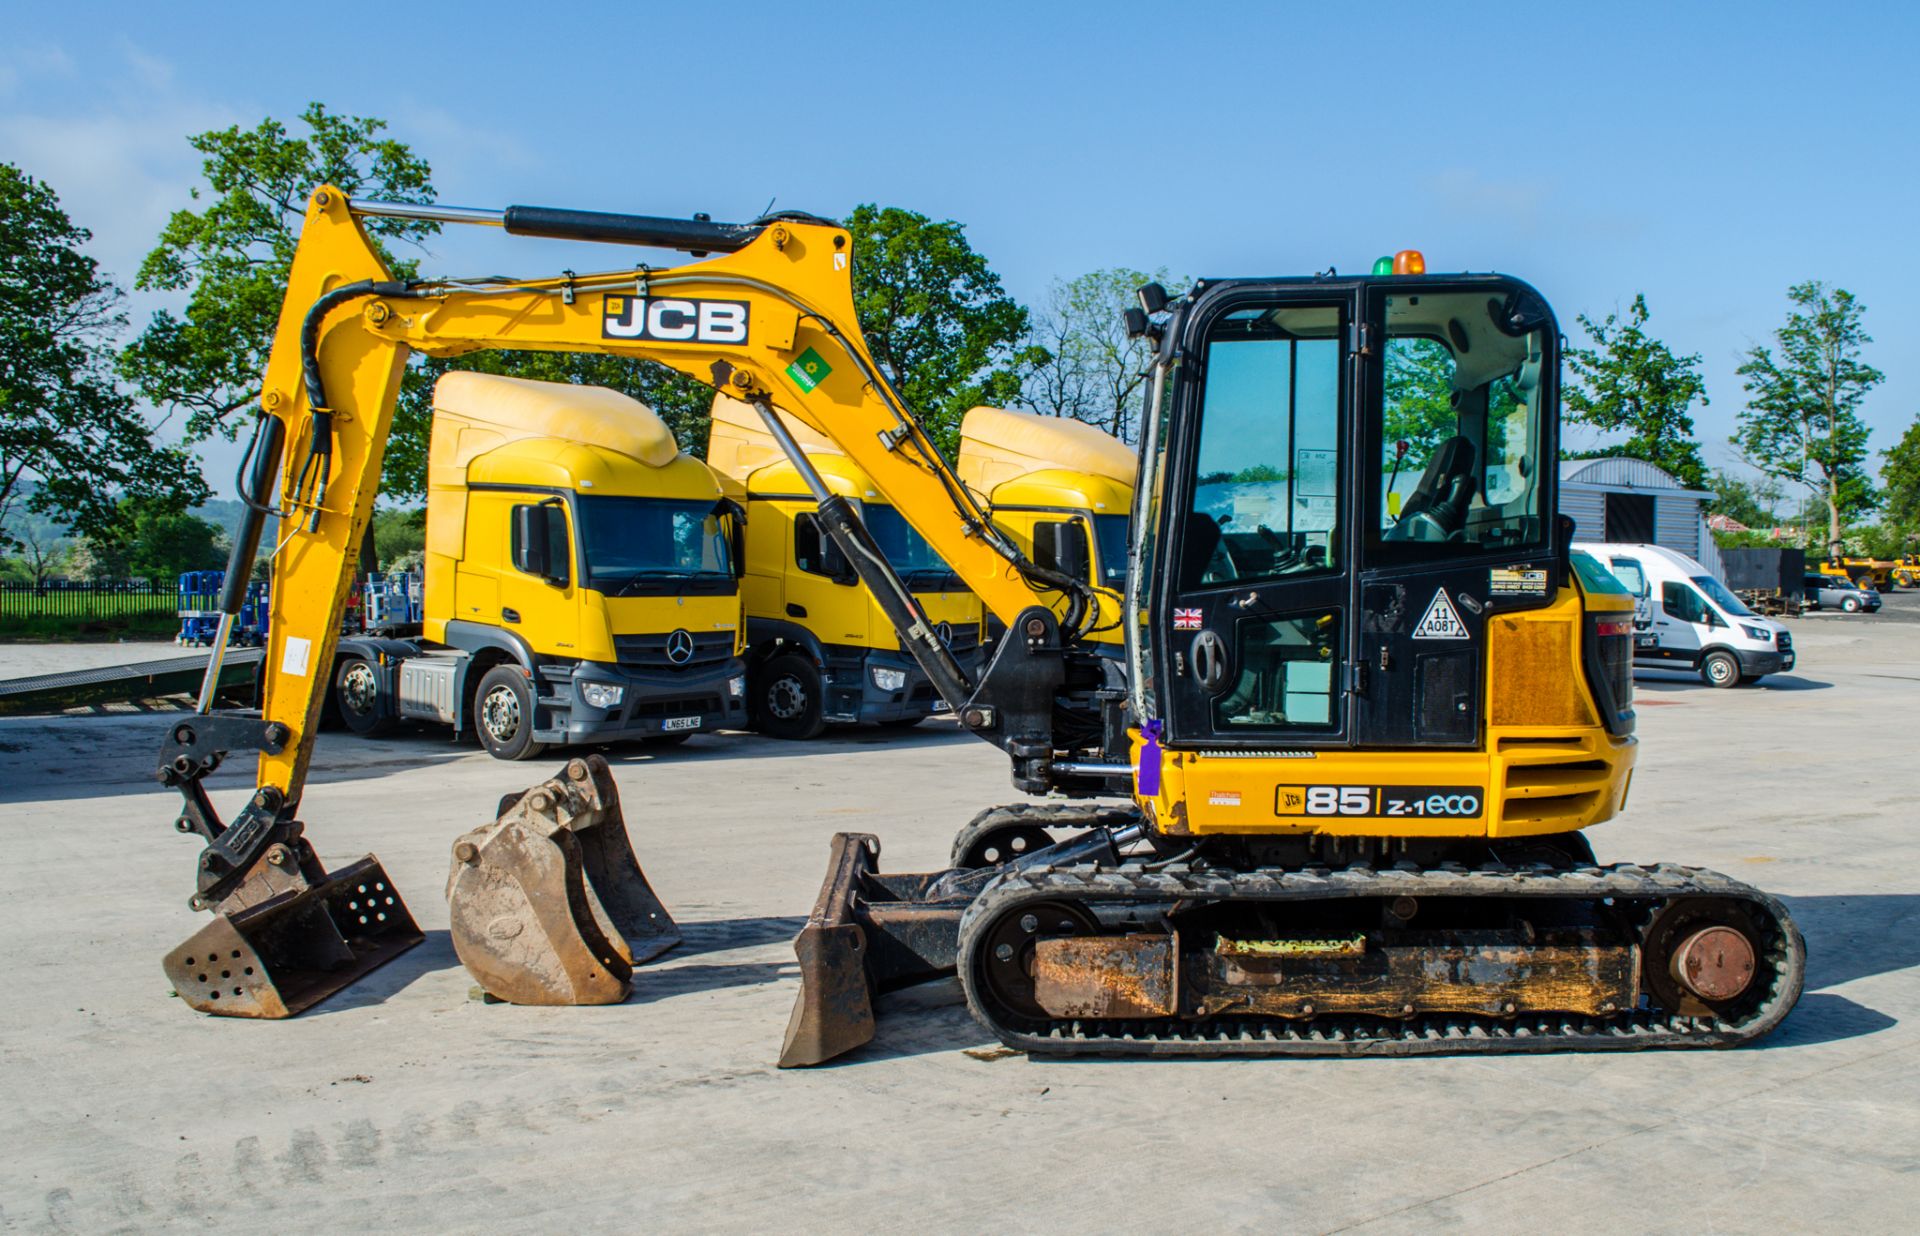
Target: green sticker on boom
810,370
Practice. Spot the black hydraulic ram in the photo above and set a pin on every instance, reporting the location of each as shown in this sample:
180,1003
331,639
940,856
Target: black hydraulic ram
697,236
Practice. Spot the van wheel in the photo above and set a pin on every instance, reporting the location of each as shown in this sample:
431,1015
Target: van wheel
1720,669
1851,605
503,714
356,694
787,699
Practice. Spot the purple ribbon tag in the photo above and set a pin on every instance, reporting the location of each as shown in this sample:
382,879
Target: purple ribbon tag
1147,779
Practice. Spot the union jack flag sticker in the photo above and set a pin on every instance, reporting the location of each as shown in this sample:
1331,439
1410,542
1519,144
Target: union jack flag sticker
1186,620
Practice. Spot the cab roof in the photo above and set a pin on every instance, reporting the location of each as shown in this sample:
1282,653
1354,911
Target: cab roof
740,448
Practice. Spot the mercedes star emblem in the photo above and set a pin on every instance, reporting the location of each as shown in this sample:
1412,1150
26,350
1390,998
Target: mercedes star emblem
945,631
680,647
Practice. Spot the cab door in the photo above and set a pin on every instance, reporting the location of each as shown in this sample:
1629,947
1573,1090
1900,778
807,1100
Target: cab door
1252,628
1680,620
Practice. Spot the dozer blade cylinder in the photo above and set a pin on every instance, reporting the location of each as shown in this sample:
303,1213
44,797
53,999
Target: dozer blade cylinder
548,904
276,957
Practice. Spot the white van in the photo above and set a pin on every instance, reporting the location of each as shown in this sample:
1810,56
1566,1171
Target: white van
1684,618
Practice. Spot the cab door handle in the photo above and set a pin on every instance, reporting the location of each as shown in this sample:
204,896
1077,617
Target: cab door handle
509,615
1210,662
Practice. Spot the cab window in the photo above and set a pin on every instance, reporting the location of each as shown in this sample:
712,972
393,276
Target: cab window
815,552
1683,603
1628,572
1266,483
1460,426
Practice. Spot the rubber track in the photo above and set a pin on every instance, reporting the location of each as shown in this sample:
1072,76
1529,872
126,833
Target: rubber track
1783,954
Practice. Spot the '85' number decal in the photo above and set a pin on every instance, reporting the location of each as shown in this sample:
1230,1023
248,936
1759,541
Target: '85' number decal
1444,801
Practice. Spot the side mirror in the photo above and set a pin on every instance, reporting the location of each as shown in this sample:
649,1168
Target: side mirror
539,543
1063,547
835,563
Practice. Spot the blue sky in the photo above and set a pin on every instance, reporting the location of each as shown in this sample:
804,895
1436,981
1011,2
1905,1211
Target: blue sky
1707,155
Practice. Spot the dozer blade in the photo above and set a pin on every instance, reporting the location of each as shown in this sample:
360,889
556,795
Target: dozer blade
297,947
548,903
868,933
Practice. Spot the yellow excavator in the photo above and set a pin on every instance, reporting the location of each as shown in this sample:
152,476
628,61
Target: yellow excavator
1331,802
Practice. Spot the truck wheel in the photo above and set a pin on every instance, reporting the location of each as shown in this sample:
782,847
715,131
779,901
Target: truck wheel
1903,578
1851,605
503,714
1720,669
787,699
356,693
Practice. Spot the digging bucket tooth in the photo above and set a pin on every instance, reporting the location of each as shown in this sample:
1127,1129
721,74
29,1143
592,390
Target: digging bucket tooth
311,934
868,933
548,904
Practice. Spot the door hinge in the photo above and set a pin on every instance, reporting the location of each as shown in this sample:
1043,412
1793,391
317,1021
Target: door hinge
1360,338
1356,683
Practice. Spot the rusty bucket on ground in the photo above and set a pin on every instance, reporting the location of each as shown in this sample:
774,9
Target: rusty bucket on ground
313,933
547,903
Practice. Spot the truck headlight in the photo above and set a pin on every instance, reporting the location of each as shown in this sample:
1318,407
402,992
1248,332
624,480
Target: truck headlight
1760,633
602,694
737,686
889,679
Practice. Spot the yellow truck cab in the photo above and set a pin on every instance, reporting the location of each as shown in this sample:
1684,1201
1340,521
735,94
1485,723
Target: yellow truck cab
582,579
1062,489
819,648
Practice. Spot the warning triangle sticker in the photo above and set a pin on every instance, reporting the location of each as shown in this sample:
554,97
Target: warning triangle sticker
1441,621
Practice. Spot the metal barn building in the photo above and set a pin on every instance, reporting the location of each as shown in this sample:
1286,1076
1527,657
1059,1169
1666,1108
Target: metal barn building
1631,500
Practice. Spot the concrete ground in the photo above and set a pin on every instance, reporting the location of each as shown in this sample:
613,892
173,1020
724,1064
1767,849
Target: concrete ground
28,660
403,1105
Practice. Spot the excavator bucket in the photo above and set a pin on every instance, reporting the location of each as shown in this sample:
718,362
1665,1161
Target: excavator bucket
318,933
868,933
548,903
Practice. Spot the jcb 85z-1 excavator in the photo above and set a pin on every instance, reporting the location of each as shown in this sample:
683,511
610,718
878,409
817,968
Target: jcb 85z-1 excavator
1370,696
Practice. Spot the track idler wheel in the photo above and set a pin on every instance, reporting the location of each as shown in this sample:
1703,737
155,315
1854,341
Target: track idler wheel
548,904
1701,957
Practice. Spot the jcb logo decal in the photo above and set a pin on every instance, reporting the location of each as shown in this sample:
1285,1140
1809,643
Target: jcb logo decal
674,321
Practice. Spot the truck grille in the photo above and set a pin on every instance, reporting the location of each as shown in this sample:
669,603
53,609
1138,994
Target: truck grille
650,651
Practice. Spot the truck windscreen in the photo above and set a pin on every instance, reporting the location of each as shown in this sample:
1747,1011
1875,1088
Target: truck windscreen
653,546
907,551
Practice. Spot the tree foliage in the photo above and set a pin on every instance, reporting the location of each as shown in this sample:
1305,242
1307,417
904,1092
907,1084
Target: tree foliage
153,540
1743,501
939,324
1629,382
1901,476
1802,419
1087,368
1419,400
232,257
71,442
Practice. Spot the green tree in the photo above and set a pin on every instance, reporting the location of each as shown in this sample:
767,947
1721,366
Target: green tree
684,404
1629,382
940,326
1419,400
232,257
1742,501
398,534
1802,419
1087,368
156,541
1901,476
70,439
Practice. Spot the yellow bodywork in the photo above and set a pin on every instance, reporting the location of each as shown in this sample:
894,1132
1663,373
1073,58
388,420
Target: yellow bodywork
501,442
1041,469
802,350
1547,764
742,450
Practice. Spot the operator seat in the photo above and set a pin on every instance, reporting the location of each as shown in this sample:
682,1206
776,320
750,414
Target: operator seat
1437,507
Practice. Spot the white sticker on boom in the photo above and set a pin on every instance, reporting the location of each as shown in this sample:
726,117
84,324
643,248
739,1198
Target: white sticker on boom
293,662
1441,621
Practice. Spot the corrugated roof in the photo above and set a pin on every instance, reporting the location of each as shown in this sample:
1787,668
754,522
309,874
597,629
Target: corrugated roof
1620,472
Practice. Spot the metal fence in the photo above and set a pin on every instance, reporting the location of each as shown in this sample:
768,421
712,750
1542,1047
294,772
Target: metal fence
68,599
